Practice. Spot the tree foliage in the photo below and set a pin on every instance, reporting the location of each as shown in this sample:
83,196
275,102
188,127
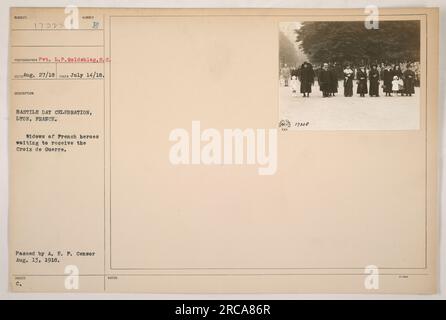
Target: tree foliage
287,50
342,42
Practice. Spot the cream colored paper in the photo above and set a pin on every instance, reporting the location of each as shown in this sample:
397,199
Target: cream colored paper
113,208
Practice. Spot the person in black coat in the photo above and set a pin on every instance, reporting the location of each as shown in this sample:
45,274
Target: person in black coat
324,79
361,76
387,78
349,74
409,81
333,80
374,81
306,78
399,73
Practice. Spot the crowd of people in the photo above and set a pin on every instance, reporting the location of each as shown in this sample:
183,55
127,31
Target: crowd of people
393,79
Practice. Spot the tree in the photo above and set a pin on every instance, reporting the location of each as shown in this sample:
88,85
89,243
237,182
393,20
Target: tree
352,42
287,50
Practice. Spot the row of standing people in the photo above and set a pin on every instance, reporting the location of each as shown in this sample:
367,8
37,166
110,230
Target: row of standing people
394,80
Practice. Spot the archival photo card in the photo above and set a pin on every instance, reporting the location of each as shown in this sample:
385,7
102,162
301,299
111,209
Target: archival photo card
351,75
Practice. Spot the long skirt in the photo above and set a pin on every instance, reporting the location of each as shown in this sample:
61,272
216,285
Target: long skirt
387,86
409,87
374,88
305,87
348,88
362,87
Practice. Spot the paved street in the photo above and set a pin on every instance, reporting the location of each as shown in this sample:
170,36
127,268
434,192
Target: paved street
354,113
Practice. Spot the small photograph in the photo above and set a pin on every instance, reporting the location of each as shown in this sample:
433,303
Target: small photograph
343,75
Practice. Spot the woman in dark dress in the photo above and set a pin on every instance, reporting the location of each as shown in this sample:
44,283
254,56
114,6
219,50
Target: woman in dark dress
361,76
399,73
306,78
324,78
388,78
374,81
348,81
409,81
333,80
